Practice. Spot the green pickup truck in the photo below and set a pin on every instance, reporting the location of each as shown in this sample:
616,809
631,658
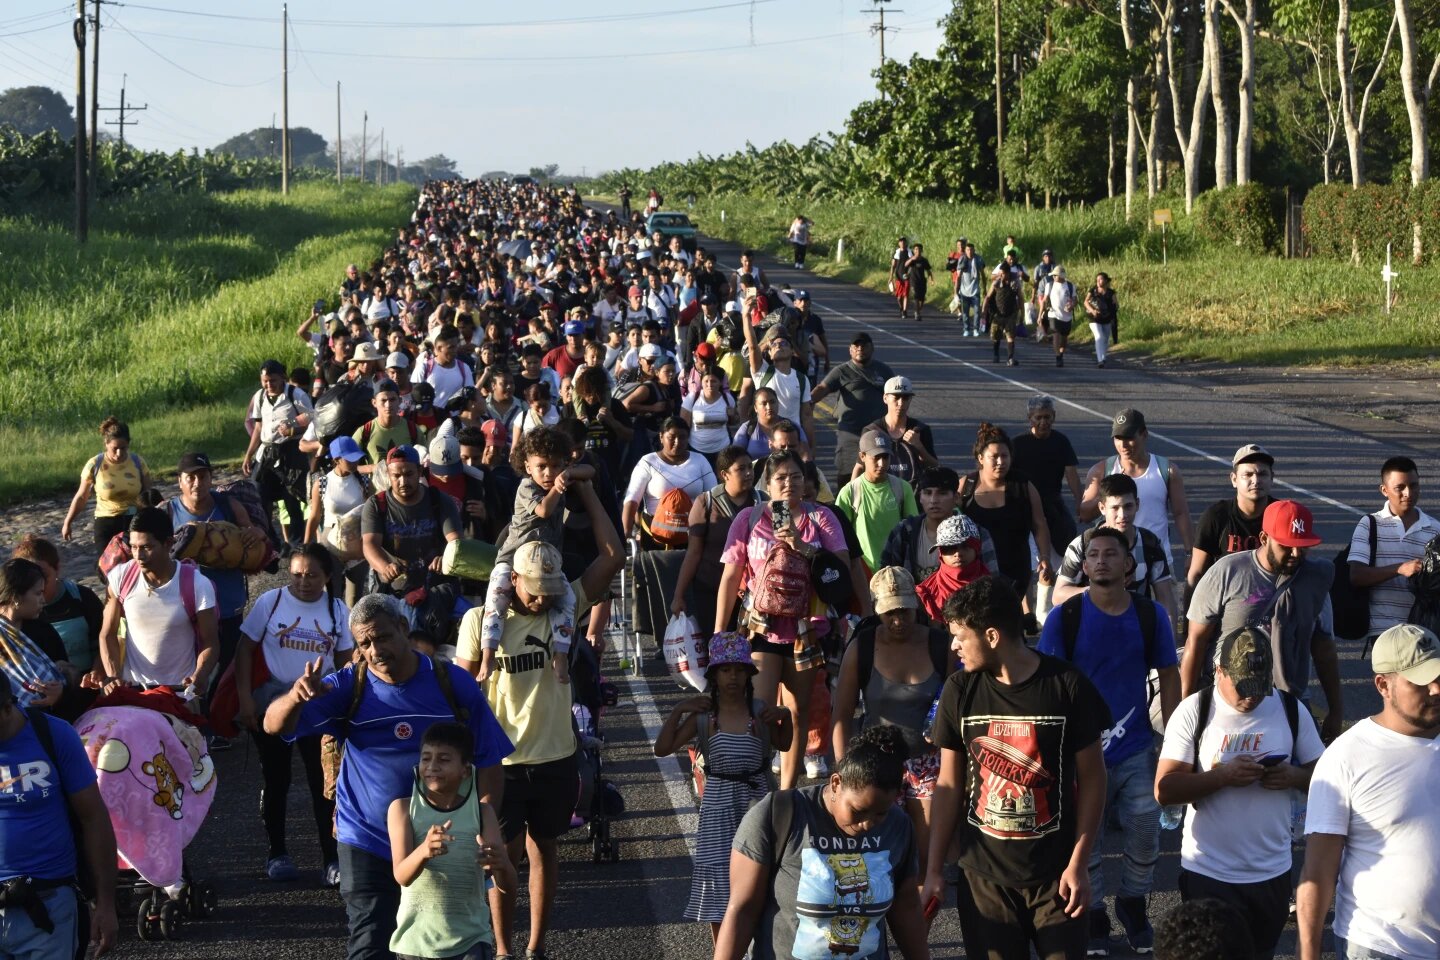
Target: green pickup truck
672,224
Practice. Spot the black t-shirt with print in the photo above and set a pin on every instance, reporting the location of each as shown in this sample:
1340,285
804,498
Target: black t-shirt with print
1223,530
1019,743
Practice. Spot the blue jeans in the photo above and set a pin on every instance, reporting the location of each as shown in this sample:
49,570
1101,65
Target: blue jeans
20,940
969,310
1345,950
1130,790
372,899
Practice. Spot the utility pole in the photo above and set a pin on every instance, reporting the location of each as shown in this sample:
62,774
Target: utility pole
285,99
999,109
399,162
123,109
364,142
82,200
380,170
339,175
880,28
94,103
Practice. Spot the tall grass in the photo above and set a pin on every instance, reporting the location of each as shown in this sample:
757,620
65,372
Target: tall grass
164,317
1207,303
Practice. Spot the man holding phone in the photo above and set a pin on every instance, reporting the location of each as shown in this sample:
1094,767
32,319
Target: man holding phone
1235,752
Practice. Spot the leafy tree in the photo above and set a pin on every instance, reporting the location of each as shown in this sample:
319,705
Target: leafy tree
32,110
438,167
307,148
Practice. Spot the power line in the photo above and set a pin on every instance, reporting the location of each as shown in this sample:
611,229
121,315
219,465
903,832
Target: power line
38,16
186,70
548,58
51,26
296,37
450,25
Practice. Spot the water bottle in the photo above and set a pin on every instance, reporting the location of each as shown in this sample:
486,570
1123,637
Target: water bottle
1172,816
930,719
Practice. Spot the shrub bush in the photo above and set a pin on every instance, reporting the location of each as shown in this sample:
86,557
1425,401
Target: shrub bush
1245,216
1338,220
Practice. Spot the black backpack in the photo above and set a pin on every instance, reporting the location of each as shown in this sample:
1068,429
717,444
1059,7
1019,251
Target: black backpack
343,409
1426,584
1350,604
1071,610
1007,301
1207,696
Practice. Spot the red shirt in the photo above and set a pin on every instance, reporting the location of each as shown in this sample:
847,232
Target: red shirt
561,362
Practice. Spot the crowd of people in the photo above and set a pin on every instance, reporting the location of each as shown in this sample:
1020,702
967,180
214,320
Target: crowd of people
920,676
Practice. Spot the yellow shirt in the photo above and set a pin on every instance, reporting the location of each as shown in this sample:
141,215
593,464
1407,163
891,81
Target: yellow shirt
533,707
382,439
117,485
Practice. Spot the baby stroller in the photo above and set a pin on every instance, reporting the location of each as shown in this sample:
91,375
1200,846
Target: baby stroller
155,774
598,799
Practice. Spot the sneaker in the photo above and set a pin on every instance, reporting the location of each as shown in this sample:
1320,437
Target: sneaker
283,869
1100,364
1012,362
775,765
1130,911
1099,944
332,874
815,766
219,744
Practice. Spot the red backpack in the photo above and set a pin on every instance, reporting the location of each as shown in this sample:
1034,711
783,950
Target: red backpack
782,588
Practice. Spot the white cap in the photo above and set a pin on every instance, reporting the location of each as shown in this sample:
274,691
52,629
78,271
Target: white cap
398,360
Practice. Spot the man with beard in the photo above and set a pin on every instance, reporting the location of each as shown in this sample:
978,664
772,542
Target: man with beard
1372,822
1280,588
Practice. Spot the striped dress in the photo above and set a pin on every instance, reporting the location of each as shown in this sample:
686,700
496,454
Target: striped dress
723,807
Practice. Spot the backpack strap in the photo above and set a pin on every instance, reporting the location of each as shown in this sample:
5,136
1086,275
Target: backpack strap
441,666
896,491
1374,535
1291,703
865,664
366,431
128,581
939,652
1070,612
361,669
95,467
782,821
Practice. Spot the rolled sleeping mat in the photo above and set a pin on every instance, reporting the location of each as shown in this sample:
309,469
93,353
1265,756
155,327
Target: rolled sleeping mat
470,559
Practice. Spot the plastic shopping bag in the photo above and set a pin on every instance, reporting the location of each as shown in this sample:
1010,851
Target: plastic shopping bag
687,651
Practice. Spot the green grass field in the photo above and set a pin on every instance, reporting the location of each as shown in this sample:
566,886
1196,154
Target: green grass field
164,318
1207,303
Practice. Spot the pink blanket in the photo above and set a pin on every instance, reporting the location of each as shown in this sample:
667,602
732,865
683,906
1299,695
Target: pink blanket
158,789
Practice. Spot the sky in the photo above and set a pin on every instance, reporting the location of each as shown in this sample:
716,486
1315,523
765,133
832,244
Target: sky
590,85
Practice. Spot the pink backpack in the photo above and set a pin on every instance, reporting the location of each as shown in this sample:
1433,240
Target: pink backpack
783,587
131,579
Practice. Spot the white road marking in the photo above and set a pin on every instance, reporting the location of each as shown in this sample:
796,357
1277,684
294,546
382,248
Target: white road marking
677,788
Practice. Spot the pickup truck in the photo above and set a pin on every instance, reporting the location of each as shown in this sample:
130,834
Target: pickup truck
672,224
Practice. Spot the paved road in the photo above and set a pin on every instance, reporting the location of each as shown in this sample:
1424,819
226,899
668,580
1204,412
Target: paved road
1326,457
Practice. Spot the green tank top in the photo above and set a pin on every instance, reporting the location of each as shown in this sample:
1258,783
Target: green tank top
444,912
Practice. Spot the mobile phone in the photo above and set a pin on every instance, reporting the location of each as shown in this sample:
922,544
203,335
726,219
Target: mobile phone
932,907
779,514
320,305
1275,759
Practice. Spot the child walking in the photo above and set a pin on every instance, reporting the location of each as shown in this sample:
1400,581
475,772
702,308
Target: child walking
735,734
444,844
545,455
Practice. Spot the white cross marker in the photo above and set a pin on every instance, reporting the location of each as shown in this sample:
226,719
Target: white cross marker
1388,275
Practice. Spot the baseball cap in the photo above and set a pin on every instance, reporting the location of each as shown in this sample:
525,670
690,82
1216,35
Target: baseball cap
444,456
956,531
1290,524
403,453
705,351
859,338
893,589
635,291
802,295
538,564
1245,655
899,387
651,351
1409,650
707,298
495,433
1249,452
345,448
423,394
574,328
775,333
1127,424
389,386
875,442
194,463
399,360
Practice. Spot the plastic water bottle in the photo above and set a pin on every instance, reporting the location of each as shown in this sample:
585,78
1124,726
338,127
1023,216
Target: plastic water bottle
1172,816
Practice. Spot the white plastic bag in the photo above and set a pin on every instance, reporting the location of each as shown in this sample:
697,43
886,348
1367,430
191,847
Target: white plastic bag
687,651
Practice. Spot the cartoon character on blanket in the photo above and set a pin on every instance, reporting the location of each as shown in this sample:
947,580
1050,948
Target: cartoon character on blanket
156,777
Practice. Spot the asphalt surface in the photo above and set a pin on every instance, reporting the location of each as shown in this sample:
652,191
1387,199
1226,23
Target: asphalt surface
1326,457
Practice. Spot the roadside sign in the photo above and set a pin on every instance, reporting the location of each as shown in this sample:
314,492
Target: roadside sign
1162,216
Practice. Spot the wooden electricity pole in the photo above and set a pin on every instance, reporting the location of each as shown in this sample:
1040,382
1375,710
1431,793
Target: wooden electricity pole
94,103
285,99
82,199
999,108
339,174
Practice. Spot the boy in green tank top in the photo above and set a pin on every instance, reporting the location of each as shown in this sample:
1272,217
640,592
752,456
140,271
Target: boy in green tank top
445,844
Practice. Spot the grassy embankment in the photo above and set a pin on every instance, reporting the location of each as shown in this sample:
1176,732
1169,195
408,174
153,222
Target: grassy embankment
164,318
1208,303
